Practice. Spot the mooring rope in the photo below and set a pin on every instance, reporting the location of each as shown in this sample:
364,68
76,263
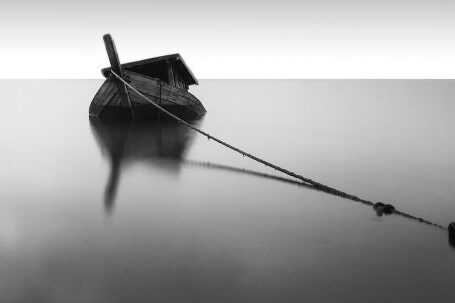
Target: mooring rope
300,184
381,208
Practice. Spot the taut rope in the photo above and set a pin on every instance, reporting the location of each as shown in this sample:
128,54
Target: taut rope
378,206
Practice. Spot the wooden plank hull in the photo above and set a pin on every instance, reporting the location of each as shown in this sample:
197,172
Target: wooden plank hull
107,102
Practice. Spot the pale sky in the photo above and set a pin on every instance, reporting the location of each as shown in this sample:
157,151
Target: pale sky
233,39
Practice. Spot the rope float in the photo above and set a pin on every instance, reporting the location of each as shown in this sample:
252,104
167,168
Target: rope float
379,207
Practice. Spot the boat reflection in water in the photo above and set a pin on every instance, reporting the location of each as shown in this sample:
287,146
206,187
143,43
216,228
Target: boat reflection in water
126,142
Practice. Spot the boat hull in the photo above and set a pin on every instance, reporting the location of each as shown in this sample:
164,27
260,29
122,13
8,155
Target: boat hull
109,101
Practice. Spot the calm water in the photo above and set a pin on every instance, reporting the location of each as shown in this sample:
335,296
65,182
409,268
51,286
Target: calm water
91,212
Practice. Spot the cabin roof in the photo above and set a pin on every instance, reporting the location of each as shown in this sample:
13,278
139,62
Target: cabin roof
189,76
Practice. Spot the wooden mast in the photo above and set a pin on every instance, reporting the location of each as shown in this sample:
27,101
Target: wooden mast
111,50
170,73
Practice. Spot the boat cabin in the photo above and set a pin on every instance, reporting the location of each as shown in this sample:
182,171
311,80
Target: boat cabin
171,69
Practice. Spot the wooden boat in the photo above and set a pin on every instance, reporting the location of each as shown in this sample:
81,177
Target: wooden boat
165,80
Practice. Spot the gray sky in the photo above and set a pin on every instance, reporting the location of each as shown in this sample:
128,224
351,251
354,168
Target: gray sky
233,39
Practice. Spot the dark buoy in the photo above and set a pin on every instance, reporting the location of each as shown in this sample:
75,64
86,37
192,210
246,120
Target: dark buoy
451,230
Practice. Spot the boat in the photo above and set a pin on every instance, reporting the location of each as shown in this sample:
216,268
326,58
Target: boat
164,80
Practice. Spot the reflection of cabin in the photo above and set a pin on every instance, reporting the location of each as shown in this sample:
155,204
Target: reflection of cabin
170,69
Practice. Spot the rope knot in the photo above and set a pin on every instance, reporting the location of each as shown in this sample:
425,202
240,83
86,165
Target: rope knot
383,209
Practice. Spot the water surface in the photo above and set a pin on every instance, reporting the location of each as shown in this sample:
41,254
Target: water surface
96,212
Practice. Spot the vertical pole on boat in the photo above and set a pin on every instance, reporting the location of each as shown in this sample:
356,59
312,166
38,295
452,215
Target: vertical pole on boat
160,90
116,67
170,73
159,112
